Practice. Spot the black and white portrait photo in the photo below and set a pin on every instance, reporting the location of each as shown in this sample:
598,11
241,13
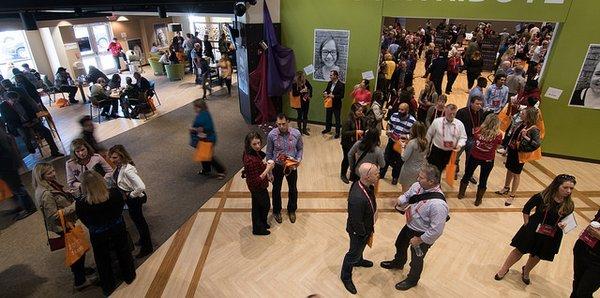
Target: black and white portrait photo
587,88
330,53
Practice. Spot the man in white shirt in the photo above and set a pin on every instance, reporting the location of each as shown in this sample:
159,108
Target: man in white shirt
446,134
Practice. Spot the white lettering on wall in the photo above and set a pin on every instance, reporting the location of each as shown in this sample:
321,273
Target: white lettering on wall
505,1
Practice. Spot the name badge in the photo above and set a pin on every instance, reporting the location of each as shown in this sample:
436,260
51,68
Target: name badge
547,230
588,239
496,102
449,144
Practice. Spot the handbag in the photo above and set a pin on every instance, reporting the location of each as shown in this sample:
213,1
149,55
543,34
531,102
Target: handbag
294,101
5,192
328,102
204,151
54,243
76,243
289,164
525,145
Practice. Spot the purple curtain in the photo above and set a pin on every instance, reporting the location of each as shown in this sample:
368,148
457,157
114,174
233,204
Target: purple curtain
281,62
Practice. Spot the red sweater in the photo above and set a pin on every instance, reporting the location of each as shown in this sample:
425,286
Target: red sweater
484,149
253,167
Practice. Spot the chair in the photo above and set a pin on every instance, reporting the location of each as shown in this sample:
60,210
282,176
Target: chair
157,67
50,90
46,117
175,72
152,88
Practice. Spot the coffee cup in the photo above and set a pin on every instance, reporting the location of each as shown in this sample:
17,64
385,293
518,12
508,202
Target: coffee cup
595,224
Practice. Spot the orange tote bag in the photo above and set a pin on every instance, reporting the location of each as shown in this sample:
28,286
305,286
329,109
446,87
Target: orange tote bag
450,169
204,151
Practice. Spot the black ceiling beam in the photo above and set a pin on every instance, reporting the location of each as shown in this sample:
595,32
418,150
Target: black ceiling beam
112,5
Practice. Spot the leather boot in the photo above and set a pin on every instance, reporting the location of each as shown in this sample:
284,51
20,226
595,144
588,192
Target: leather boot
479,196
462,189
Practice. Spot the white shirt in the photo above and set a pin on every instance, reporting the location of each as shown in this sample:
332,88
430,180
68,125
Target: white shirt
446,135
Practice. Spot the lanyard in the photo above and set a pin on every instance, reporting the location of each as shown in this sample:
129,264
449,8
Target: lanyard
444,130
367,195
546,214
473,126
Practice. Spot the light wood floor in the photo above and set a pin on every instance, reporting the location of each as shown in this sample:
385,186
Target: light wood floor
215,255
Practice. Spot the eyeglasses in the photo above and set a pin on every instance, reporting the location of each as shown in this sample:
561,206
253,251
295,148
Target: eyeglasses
326,52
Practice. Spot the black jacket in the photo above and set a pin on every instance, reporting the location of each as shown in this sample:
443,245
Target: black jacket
361,218
9,162
349,131
338,93
438,67
474,66
296,89
464,116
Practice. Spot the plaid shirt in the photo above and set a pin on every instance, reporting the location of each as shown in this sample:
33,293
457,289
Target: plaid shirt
253,167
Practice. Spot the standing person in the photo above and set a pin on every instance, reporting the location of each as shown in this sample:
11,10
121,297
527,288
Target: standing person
208,48
474,65
127,180
524,138
9,173
30,89
437,69
541,233
223,45
83,158
485,141
427,99
361,93
301,87
87,134
335,90
398,130
376,113
64,83
284,146
101,211
203,129
366,150
436,110
496,96
195,55
426,211
188,46
362,215
390,68
257,173
446,134
51,198
414,155
116,50
516,82
203,76
454,65
586,261
479,89
471,117
352,131
225,72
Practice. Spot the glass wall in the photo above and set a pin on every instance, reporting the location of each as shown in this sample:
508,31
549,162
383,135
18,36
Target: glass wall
14,51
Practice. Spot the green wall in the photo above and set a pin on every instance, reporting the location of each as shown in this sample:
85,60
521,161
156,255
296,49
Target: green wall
569,131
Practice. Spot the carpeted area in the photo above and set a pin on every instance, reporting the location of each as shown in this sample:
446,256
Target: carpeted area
163,158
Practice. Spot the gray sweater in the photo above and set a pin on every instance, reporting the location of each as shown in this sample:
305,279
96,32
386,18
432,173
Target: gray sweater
374,157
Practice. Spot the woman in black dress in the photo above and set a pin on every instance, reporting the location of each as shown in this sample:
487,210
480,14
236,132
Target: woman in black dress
541,233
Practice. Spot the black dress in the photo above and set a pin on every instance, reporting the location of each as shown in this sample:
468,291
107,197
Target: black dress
528,241
512,156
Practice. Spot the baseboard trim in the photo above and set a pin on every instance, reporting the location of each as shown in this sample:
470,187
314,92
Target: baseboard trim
590,160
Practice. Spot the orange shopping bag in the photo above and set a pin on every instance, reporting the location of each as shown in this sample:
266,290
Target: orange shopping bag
328,102
450,169
294,101
5,192
398,146
76,243
204,151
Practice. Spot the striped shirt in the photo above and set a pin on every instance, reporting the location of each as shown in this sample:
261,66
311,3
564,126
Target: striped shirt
401,127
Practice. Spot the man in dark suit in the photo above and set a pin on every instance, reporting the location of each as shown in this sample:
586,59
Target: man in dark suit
471,116
362,207
335,89
437,69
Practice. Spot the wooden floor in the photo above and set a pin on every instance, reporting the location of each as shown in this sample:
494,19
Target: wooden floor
215,255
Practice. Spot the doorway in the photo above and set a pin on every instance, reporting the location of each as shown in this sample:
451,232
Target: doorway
93,40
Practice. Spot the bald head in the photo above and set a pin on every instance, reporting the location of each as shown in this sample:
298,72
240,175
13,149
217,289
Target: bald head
369,173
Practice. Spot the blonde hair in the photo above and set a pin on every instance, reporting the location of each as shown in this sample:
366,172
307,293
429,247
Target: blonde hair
123,154
94,188
37,176
490,128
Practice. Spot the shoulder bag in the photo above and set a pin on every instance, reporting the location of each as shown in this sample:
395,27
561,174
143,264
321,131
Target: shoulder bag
353,177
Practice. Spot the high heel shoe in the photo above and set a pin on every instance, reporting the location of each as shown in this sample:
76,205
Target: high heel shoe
509,200
503,191
525,280
498,277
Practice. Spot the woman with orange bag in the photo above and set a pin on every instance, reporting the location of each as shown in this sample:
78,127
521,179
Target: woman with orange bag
302,93
52,197
203,138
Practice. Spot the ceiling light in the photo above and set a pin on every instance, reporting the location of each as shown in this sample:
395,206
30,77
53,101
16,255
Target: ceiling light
122,19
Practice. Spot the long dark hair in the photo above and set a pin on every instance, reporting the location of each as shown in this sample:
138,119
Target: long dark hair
548,194
248,141
370,140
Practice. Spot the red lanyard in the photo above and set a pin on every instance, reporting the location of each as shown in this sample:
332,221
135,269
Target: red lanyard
472,120
367,195
546,214
444,130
